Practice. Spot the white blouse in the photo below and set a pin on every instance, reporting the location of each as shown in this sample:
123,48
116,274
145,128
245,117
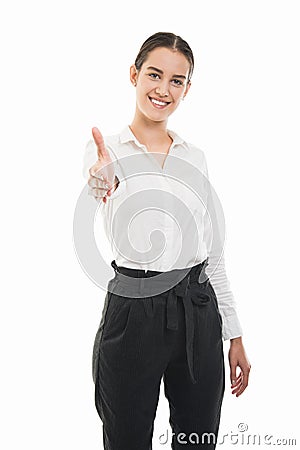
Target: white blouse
164,218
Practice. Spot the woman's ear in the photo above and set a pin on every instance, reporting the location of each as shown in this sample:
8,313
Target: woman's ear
187,89
133,74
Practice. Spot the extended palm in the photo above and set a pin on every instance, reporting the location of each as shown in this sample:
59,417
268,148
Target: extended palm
102,174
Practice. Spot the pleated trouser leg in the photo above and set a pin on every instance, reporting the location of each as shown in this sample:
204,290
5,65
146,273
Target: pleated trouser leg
195,409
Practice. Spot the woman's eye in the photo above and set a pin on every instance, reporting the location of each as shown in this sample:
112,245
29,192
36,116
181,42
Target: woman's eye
178,82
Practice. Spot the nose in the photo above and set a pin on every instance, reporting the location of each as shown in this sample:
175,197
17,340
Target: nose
162,90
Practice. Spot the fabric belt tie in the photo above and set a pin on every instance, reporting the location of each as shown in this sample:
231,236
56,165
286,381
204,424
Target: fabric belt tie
183,289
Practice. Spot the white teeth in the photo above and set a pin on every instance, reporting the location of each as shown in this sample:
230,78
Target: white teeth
157,102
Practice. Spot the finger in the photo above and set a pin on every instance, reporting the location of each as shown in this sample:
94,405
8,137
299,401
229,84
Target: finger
97,192
237,380
99,174
240,390
100,199
99,141
111,190
95,172
97,179
237,384
244,384
233,367
95,182
237,387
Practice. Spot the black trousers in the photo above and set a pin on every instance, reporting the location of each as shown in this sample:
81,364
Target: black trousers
177,335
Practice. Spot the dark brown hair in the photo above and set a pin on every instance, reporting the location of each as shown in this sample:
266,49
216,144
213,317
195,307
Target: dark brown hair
167,40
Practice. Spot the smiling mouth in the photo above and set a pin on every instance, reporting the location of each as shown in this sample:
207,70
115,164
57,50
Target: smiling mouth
158,103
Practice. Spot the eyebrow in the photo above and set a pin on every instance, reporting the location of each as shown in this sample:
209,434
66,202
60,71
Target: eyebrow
160,71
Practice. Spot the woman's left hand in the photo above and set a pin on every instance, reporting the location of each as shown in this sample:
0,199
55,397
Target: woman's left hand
238,358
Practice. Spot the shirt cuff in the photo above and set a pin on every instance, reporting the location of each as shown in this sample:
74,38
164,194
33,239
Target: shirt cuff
231,327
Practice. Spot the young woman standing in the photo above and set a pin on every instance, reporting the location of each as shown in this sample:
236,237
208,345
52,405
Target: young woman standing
153,327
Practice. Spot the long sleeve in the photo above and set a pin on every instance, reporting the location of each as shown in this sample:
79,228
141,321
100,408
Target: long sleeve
214,236
89,159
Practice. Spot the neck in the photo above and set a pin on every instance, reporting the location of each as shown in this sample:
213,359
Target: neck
147,131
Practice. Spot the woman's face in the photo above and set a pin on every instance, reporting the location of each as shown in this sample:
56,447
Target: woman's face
161,83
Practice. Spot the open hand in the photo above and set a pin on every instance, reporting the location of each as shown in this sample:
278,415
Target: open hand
102,175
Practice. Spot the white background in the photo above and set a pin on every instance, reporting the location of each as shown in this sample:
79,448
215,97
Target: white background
65,68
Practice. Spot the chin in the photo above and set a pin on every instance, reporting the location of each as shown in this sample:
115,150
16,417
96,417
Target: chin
159,116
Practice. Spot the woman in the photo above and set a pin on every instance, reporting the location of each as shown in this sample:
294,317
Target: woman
162,317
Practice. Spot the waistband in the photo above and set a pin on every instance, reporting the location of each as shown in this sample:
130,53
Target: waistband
139,283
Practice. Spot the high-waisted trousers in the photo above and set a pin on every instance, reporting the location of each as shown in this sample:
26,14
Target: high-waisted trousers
174,334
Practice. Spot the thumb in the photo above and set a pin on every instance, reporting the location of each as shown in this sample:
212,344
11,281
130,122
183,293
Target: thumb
99,141
233,377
